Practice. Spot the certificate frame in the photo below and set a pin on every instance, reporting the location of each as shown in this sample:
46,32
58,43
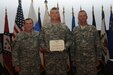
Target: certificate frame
57,45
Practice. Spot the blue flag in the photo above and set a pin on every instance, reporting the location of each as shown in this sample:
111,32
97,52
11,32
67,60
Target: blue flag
38,26
73,22
110,36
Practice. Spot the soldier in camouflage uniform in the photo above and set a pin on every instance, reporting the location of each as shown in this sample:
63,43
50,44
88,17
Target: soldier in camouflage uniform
25,51
55,61
87,47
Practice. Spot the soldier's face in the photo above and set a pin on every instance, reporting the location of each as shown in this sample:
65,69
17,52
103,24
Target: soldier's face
82,17
28,26
54,14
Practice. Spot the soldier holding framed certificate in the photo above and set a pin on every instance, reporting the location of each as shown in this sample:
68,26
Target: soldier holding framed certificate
55,40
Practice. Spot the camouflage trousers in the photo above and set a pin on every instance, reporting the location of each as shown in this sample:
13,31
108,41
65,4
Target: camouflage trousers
56,74
31,72
86,69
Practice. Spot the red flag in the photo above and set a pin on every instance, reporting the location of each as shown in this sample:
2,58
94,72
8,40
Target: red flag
7,57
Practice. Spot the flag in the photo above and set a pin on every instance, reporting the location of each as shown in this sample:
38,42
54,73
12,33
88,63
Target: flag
37,27
6,38
1,56
73,20
32,14
1,69
19,19
7,57
93,16
104,39
110,35
46,19
93,20
1,42
38,24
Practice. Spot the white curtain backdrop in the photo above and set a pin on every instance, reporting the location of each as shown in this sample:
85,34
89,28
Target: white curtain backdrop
11,6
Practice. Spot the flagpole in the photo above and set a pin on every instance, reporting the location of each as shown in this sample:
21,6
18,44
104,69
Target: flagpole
93,8
111,8
63,15
19,2
72,11
38,12
57,6
38,9
5,11
80,8
102,7
46,3
73,19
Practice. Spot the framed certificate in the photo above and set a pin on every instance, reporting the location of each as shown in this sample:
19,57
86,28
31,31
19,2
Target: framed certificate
57,45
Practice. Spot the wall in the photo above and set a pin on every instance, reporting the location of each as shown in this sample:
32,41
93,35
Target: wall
11,6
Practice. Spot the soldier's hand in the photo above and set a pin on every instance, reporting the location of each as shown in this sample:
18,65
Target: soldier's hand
17,69
42,67
41,50
69,67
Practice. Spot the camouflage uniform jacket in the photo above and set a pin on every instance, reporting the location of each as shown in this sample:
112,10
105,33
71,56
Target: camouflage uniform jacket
87,48
56,62
25,53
